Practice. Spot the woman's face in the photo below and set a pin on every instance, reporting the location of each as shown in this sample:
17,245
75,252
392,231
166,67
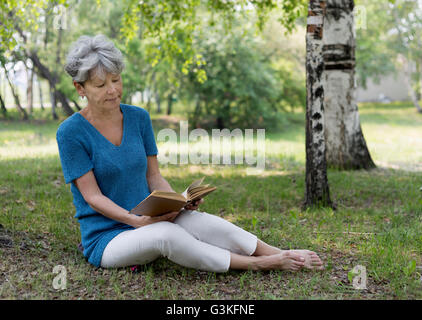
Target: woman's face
103,93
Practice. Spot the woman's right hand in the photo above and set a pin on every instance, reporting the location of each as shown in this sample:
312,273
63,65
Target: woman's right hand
140,221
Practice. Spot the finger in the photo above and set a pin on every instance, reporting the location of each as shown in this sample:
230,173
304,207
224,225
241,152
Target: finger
198,202
169,215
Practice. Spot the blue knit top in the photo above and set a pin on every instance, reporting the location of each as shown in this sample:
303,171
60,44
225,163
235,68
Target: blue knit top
120,171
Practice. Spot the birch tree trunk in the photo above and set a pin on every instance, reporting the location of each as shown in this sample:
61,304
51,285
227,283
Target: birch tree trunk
346,145
29,90
40,92
15,95
317,190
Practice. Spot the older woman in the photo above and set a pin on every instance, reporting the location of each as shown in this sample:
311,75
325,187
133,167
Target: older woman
108,154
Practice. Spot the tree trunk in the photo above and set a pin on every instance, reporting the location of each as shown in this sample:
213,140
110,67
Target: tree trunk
46,31
45,72
4,87
3,107
148,105
223,118
418,81
345,143
53,101
151,91
40,93
197,112
158,101
77,105
29,90
59,46
16,97
317,189
169,103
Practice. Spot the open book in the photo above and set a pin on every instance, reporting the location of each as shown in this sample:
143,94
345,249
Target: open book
160,202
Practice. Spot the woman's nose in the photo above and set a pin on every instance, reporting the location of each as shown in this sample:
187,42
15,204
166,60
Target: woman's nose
111,88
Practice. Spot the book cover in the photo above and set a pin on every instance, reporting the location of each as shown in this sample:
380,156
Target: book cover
160,202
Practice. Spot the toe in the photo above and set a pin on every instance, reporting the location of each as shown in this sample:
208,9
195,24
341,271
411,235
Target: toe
296,257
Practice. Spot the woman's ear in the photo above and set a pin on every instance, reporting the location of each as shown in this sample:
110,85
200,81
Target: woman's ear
80,88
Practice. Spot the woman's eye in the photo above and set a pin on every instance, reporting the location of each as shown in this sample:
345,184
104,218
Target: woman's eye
102,85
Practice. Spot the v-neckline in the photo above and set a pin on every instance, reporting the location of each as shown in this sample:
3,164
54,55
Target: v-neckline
95,129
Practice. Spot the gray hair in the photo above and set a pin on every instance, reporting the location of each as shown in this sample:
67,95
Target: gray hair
94,54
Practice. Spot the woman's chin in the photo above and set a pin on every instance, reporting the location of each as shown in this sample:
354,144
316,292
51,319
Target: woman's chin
114,102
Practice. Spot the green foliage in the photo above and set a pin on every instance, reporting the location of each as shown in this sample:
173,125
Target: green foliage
392,29
169,52
291,11
23,14
160,18
245,86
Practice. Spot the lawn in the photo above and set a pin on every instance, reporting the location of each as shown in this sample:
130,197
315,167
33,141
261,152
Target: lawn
378,223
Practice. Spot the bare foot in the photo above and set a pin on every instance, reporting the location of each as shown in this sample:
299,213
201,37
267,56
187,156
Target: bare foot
312,261
286,260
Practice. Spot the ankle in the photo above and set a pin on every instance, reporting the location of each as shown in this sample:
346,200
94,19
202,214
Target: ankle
261,263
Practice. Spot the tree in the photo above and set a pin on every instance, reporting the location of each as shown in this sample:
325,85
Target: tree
29,89
317,189
3,107
240,88
345,144
396,47
407,18
374,53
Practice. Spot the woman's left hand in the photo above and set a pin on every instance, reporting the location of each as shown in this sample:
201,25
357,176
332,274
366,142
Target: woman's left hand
194,205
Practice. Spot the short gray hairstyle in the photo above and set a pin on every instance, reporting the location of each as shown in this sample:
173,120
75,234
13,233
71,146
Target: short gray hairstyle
94,54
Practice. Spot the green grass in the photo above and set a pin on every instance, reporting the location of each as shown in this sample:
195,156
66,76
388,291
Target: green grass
377,224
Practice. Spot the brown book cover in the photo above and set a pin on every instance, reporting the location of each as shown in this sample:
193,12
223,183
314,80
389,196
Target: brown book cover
160,202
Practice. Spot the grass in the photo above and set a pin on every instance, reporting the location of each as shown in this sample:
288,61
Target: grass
377,224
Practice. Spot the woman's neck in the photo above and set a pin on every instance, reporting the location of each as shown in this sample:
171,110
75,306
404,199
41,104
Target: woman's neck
94,114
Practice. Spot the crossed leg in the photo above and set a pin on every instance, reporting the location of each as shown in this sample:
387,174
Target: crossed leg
246,251
203,241
267,257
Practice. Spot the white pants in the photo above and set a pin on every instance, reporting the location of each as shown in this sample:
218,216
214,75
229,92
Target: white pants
195,240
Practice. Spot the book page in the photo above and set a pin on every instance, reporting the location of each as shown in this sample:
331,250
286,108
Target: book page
185,193
193,185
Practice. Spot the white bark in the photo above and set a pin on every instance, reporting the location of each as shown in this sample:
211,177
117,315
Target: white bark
346,146
317,191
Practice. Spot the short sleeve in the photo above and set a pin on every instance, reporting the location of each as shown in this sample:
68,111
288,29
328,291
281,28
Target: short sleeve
148,136
74,157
